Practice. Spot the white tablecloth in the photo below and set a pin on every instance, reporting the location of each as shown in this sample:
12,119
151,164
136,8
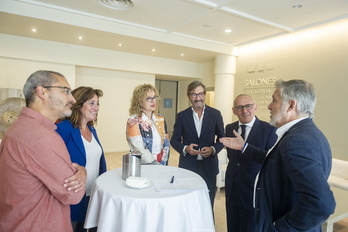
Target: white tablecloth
114,207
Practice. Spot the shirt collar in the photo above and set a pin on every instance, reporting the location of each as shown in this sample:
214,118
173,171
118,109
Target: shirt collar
144,117
28,112
249,124
194,112
281,130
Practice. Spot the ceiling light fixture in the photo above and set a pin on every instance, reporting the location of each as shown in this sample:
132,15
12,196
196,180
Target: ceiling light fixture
120,45
296,6
33,29
153,50
182,54
117,4
80,37
228,30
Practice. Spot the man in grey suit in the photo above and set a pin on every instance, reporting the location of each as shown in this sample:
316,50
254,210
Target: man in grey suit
242,170
291,190
196,137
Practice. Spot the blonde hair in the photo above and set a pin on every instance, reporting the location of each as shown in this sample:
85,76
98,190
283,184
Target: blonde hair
138,97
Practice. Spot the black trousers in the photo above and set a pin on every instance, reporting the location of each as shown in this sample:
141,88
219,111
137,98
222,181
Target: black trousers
239,211
78,226
209,179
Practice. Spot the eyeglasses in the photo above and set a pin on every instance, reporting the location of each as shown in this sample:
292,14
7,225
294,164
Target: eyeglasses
195,95
66,89
151,99
247,107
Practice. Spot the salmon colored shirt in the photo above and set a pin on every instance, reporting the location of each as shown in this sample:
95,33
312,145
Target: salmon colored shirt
34,162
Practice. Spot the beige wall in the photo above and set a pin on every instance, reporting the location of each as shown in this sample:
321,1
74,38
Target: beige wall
115,73
14,72
117,87
319,56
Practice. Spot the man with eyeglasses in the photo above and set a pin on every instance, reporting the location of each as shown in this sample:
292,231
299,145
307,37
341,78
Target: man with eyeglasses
196,137
38,182
291,192
241,170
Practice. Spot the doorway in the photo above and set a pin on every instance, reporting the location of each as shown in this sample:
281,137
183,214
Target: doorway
168,91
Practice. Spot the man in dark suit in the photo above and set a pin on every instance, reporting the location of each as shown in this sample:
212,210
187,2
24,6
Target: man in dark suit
291,190
196,137
242,170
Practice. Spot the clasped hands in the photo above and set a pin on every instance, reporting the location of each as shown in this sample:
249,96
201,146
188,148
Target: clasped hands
205,151
77,182
236,143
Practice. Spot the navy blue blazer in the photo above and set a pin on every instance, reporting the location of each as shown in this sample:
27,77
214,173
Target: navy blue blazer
242,169
74,144
292,192
185,133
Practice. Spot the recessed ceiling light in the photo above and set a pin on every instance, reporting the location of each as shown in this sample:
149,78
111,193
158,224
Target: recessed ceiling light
120,45
80,37
296,6
228,30
153,50
33,29
182,54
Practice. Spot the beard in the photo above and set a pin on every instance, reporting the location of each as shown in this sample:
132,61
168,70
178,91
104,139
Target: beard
276,118
197,106
67,113
59,107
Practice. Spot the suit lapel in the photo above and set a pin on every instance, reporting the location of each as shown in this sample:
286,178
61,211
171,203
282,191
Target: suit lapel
190,122
76,135
206,117
234,126
253,130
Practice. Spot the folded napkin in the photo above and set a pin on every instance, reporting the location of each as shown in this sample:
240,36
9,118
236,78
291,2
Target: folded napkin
137,182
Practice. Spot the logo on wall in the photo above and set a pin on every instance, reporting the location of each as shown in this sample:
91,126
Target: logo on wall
260,89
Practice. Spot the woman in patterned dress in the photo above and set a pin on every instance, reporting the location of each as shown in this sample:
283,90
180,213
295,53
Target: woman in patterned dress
146,129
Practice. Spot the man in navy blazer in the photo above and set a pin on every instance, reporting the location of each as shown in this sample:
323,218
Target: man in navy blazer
291,190
242,170
196,137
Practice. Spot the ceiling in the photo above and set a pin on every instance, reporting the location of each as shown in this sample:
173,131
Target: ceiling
190,30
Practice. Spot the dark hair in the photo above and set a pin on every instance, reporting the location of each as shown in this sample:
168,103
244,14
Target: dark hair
193,85
82,94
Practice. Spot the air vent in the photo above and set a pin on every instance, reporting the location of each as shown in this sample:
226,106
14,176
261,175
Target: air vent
117,4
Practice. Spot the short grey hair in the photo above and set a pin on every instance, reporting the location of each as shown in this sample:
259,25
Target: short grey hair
38,78
300,91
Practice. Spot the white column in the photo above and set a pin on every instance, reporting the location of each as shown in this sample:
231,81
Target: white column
225,70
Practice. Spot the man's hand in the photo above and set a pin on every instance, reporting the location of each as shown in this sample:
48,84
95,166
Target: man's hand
207,151
236,143
190,149
77,182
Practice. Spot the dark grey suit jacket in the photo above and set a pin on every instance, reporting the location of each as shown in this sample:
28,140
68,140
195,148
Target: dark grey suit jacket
185,133
242,169
292,192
